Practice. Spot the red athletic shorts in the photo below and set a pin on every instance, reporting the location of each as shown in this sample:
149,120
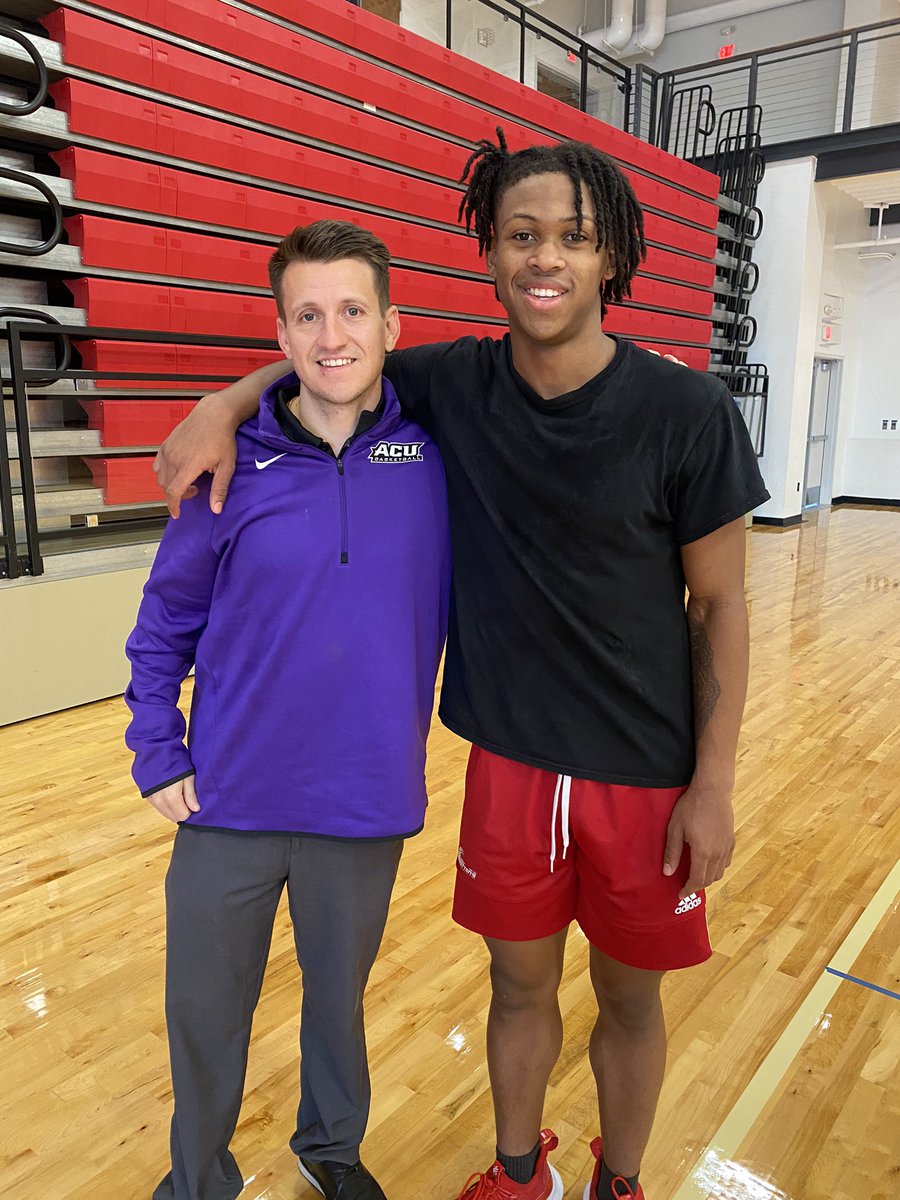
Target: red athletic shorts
539,850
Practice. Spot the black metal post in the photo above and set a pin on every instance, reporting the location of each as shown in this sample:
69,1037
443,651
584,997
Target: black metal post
654,112
666,84
449,24
9,565
34,565
637,80
754,79
850,83
584,78
521,45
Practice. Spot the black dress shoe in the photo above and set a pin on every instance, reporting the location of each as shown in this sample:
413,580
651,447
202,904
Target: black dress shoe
338,1181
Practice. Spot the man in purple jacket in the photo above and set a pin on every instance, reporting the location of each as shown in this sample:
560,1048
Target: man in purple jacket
314,614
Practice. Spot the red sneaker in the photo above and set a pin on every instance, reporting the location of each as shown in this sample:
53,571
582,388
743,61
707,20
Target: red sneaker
495,1184
620,1188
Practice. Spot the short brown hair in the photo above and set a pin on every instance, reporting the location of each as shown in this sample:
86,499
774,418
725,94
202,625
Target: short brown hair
328,241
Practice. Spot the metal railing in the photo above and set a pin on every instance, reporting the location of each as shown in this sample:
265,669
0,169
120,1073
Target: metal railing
513,39
817,87
829,84
23,541
17,109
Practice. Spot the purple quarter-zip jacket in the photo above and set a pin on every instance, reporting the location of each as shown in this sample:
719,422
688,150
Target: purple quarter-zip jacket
314,610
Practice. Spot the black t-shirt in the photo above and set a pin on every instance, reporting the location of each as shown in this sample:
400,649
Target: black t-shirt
568,646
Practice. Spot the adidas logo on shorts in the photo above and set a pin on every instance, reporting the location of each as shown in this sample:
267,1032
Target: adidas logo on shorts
688,903
461,863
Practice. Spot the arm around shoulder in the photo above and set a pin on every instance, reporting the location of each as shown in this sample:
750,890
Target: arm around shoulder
204,440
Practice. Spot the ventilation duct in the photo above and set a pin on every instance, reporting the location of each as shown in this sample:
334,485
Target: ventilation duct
617,33
649,36
617,37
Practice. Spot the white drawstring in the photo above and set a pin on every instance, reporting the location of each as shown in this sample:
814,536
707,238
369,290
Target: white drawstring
563,790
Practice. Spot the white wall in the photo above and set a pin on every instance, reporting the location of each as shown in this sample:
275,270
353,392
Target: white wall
871,458
843,275
64,640
786,305
798,266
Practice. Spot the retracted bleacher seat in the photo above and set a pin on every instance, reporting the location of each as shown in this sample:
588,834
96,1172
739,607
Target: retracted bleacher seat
192,165
126,55
150,250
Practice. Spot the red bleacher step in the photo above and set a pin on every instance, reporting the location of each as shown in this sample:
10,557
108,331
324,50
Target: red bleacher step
146,187
145,250
132,121
134,422
126,480
113,302
199,361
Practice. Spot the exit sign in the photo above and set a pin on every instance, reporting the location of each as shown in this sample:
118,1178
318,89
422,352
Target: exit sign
726,51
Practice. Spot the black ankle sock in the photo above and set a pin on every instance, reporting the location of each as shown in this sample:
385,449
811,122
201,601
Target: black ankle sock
519,1167
604,1183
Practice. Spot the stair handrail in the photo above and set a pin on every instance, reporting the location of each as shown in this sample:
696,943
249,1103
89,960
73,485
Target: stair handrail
39,248
8,30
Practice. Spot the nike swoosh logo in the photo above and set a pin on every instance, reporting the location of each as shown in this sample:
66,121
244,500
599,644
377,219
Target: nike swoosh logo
268,462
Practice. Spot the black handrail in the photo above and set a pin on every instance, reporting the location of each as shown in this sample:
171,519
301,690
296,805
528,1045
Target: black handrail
55,207
63,345
9,565
542,27
22,110
21,376
838,36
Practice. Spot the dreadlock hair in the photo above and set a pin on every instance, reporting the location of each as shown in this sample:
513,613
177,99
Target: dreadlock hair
620,221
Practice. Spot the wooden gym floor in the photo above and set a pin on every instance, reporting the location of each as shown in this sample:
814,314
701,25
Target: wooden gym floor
784,1077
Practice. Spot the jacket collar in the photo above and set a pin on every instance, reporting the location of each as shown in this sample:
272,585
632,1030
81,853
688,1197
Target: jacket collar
271,433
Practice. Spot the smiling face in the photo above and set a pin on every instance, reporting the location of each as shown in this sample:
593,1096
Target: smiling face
334,332
548,274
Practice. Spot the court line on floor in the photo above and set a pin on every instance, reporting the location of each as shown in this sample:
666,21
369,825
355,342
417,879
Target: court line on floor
728,1137
875,987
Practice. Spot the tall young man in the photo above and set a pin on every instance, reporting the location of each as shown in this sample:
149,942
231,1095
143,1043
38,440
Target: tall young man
314,611
590,482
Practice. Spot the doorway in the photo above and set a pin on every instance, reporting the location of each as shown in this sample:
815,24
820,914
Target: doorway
823,404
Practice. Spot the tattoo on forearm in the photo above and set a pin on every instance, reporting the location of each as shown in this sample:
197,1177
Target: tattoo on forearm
706,687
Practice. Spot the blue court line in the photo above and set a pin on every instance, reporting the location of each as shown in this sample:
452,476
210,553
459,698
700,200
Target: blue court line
863,983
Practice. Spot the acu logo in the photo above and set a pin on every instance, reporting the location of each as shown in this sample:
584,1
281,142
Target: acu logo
396,452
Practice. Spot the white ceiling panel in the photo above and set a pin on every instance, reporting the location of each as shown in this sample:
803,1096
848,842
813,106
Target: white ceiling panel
882,188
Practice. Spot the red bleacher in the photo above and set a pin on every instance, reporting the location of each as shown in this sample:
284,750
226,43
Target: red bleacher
131,121
127,55
134,422
282,49
148,187
147,250
415,125
125,480
109,302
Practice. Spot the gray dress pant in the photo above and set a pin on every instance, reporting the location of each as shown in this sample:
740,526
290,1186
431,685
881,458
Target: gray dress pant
222,891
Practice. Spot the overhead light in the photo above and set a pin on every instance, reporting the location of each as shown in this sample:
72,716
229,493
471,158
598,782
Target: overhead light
727,30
